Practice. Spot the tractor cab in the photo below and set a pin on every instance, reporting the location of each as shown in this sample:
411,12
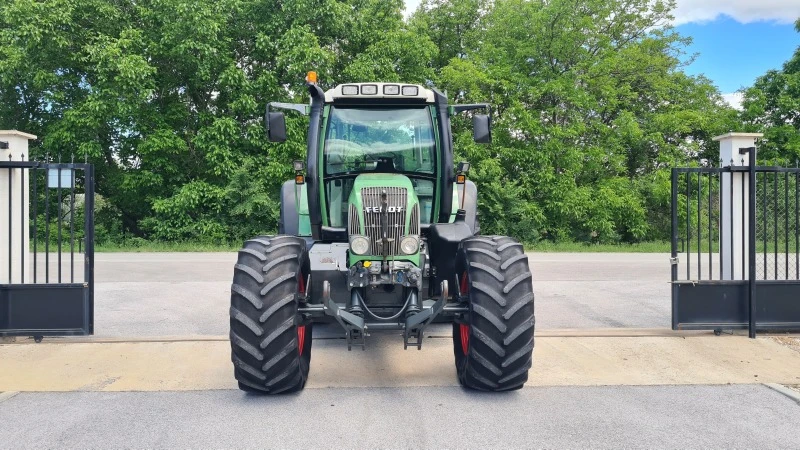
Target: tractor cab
379,133
395,145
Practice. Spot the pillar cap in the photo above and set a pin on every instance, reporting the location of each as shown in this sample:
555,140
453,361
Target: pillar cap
738,135
17,133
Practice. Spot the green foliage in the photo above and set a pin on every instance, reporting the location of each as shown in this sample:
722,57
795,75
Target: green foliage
398,56
590,105
772,106
591,108
165,96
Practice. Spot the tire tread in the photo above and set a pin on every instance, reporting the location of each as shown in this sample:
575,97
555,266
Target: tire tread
264,316
501,318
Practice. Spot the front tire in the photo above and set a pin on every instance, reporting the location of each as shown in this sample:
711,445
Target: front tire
493,344
270,341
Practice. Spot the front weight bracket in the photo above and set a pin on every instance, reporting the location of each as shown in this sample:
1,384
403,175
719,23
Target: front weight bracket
416,323
354,326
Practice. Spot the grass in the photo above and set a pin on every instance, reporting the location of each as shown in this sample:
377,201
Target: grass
160,247
563,247
580,247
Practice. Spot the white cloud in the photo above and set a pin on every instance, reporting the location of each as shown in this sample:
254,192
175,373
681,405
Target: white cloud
411,6
744,11
734,99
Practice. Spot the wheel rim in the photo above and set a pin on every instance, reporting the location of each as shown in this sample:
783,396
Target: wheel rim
301,329
464,284
464,338
301,284
464,328
301,337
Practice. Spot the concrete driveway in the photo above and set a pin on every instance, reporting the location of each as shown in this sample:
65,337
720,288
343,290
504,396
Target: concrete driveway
608,373
177,294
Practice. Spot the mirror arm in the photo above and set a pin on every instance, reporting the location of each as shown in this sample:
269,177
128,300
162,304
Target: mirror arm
299,107
461,108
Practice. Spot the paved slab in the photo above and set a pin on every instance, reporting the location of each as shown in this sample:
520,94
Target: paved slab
737,416
558,361
161,294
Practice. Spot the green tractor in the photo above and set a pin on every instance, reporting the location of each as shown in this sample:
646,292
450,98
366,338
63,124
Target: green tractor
379,232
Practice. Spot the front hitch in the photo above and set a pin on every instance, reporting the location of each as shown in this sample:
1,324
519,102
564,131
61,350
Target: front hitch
354,326
416,323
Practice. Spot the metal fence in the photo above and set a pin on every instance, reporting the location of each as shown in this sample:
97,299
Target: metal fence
700,228
49,285
740,264
777,197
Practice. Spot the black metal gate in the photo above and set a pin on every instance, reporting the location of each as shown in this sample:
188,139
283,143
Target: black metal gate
740,261
47,288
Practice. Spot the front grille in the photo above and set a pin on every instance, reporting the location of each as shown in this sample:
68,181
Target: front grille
397,200
353,222
414,220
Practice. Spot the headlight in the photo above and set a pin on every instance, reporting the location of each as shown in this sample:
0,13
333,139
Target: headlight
409,245
369,89
410,90
359,245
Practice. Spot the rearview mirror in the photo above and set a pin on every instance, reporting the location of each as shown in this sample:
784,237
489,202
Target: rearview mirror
481,129
276,127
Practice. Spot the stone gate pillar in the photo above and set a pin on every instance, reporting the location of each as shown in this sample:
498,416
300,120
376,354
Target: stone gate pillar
14,209
734,222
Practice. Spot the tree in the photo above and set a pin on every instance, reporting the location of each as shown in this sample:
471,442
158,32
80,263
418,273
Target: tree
589,103
772,106
450,25
589,98
166,96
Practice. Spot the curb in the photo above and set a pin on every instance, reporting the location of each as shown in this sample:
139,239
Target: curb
790,393
8,395
546,333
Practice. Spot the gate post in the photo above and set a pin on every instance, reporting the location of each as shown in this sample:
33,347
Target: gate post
14,209
734,205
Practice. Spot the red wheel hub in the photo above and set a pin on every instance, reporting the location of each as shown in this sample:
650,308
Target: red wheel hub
301,329
464,337
301,337
464,328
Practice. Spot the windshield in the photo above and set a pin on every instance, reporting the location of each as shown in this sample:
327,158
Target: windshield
364,140
379,140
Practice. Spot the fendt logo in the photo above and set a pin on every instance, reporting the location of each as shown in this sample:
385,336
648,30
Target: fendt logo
379,209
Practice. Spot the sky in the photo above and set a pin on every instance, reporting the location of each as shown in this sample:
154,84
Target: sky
735,41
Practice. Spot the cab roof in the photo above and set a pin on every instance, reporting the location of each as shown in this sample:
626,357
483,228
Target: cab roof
352,91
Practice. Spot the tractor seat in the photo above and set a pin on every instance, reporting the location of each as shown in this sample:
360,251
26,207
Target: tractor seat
385,165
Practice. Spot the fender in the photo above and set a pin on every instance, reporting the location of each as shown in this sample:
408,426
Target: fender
294,218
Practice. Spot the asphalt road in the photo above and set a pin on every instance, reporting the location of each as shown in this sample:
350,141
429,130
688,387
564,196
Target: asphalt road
737,416
162,294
